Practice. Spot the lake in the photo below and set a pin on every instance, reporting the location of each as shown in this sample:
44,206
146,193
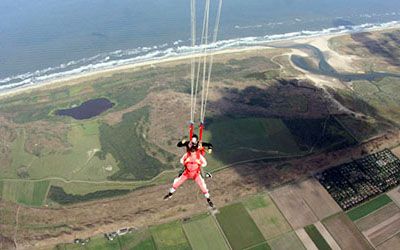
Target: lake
88,109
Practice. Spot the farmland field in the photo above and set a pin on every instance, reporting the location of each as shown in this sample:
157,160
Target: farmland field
316,237
267,217
378,216
25,192
317,198
368,207
203,233
345,232
241,231
394,194
390,244
384,230
381,224
286,241
170,236
293,206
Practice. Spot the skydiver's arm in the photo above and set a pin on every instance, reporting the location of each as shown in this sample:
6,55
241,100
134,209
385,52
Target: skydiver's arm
203,161
183,159
182,143
207,145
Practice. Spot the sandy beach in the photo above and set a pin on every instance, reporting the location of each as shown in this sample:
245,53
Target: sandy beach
339,61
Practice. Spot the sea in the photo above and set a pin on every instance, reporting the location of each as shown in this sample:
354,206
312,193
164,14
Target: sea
43,40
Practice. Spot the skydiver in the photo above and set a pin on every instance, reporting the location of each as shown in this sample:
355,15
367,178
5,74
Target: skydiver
193,161
203,147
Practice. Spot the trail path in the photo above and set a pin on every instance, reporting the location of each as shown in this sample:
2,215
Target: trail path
16,227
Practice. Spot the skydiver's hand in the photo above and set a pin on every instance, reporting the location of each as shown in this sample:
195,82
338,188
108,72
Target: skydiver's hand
183,141
209,150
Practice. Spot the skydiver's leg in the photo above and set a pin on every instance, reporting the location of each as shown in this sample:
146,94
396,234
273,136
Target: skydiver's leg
177,182
200,182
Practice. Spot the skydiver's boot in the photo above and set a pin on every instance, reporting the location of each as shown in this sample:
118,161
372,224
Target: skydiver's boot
170,193
168,196
210,203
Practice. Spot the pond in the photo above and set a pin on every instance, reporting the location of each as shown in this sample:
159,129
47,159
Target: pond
88,109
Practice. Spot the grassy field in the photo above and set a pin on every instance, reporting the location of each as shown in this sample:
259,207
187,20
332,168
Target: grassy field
286,241
241,231
99,243
319,134
379,100
78,162
317,238
31,193
170,236
138,240
368,207
266,216
141,240
249,138
20,157
134,162
203,233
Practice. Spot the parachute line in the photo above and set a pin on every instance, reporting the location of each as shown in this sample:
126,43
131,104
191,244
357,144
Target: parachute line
192,68
215,36
201,66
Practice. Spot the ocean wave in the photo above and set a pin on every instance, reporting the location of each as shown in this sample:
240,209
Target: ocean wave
143,54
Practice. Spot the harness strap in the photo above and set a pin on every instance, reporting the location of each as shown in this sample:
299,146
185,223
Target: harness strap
201,132
191,128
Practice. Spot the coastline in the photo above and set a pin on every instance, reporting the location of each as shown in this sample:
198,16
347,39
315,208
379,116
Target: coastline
85,76
318,40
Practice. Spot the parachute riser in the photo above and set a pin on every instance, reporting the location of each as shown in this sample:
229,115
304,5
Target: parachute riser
191,131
